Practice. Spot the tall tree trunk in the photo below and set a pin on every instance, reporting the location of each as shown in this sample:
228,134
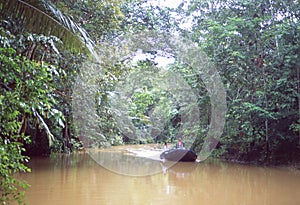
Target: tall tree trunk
298,88
67,141
267,139
266,118
24,124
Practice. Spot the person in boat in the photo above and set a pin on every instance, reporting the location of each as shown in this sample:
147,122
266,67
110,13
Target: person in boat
166,147
180,144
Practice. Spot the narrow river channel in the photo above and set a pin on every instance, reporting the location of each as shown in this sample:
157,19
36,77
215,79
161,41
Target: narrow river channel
76,179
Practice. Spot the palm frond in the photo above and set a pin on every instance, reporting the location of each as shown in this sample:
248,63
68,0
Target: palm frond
42,17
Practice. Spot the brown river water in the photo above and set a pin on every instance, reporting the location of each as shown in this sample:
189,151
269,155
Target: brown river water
77,179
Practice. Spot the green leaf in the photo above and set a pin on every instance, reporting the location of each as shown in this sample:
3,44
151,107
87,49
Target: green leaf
36,14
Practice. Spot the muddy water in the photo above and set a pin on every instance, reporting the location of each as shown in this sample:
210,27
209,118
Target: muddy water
77,179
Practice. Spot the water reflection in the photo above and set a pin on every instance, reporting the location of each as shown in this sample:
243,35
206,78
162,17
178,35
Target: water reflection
126,164
78,179
136,160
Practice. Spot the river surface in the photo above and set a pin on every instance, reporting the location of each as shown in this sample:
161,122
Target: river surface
77,179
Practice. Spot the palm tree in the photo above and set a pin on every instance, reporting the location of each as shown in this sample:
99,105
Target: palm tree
42,17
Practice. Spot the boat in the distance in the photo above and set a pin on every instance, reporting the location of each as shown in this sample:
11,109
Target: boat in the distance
182,155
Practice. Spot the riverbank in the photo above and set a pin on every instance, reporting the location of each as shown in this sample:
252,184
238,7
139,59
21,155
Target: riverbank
274,164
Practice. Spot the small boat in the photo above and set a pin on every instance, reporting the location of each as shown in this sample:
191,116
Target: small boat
182,155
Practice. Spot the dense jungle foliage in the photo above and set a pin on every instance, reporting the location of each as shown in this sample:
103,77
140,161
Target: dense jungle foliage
254,45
